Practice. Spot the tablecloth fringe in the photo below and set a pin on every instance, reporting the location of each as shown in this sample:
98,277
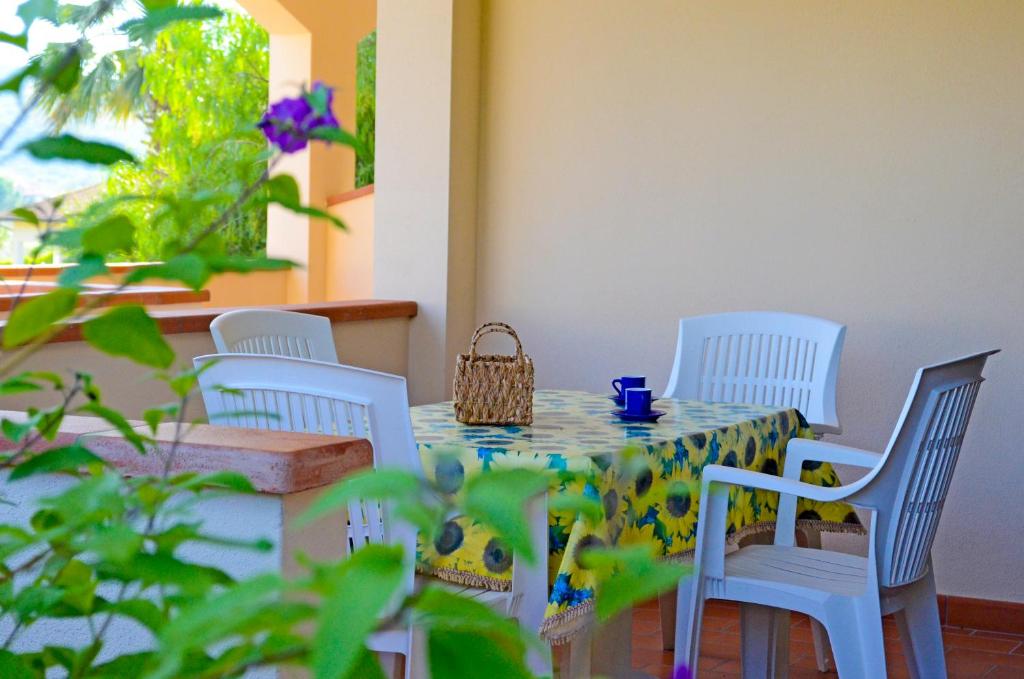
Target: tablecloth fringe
562,628
831,526
468,579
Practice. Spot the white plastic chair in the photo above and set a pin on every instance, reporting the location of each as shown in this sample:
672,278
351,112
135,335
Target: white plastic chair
905,491
277,393
273,332
766,357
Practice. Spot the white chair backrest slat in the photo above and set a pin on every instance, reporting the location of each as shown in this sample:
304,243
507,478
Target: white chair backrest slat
276,333
909,485
762,357
325,398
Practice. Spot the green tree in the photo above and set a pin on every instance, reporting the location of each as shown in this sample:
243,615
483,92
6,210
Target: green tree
197,87
366,106
204,84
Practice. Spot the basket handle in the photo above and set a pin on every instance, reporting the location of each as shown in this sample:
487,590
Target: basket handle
495,326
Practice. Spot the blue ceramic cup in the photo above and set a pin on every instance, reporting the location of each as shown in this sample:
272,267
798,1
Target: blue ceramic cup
638,401
629,382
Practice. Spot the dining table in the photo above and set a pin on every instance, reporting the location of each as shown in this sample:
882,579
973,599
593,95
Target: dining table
646,476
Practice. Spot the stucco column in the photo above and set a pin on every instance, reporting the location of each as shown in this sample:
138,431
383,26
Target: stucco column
428,66
313,40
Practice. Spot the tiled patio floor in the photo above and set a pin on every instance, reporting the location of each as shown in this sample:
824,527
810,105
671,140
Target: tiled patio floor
969,653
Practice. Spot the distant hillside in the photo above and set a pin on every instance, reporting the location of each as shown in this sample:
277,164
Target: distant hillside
36,180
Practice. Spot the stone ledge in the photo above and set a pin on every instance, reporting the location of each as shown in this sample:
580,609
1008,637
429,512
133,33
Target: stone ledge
173,322
276,462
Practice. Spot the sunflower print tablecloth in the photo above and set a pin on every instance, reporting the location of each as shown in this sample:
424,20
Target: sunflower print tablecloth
647,477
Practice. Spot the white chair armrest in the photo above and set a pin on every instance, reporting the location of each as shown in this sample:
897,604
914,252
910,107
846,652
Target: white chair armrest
799,451
714,504
715,473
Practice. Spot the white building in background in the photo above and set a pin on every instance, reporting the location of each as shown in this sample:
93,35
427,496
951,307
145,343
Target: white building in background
23,237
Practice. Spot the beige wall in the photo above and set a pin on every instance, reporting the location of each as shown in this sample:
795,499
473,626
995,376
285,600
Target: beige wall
428,55
862,161
349,268
378,345
312,40
231,289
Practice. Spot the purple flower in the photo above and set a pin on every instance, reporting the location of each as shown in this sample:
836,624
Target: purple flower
682,672
292,122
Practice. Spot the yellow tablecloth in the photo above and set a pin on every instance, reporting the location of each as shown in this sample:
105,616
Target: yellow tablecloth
644,503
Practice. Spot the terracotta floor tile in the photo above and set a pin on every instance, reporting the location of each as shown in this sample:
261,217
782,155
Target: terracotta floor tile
1003,672
978,642
968,663
650,603
646,628
647,615
998,635
970,653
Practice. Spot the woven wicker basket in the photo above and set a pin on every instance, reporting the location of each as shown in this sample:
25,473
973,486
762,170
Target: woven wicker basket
494,389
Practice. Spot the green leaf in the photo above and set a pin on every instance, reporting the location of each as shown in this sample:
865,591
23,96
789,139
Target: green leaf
67,147
498,499
118,421
222,479
338,136
189,269
14,667
576,503
154,416
143,610
79,585
33,602
358,594
33,317
629,575
130,332
436,607
164,569
367,667
163,15
89,266
373,484
213,619
26,215
14,81
45,376
65,73
128,665
111,235
18,40
464,653
114,542
17,385
33,10
283,189
16,431
316,213
71,457
230,263
318,99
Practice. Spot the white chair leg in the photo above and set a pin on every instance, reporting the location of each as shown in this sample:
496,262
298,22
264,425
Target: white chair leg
921,630
417,663
818,634
764,634
855,633
689,614
540,663
668,608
